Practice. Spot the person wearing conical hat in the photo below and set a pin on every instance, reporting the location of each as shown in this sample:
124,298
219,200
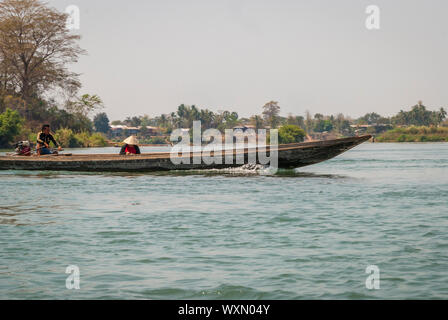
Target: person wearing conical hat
130,146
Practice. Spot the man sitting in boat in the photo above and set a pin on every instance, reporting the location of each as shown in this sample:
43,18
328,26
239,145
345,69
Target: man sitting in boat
43,141
130,146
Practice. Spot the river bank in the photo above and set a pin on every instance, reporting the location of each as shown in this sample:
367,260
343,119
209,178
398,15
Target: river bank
415,134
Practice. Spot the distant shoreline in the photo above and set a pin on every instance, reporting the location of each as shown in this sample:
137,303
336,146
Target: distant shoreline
417,142
414,134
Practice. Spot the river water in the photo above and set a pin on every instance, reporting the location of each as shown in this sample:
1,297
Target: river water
232,234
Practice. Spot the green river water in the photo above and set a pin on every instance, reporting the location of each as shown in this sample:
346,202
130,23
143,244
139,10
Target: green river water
308,233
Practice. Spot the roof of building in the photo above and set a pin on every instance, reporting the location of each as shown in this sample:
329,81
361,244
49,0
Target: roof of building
123,127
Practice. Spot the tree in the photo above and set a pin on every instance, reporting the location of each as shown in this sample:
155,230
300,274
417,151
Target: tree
5,76
13,103
308,122
85,104
323,125
207,118
271,111
101,122
296,120
370,118
230,119
419,116
342,125
290,134
186,115
440,116
257,121
133,121
35,48
146,121
144,131
10,125
163,121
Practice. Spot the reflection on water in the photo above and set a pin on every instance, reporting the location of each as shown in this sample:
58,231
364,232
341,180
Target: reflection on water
232,233
12,214
231,172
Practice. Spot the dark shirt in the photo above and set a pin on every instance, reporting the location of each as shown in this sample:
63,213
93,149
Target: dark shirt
123,150
43,138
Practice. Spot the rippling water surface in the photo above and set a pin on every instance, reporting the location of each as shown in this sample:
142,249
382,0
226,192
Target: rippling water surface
233,234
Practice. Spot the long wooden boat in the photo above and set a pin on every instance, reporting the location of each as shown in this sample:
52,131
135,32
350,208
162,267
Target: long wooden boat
289,156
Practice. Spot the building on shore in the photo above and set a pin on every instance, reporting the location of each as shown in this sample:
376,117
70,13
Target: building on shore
121,130
245,127
370,128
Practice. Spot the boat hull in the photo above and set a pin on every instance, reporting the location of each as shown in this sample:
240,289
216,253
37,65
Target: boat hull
289,156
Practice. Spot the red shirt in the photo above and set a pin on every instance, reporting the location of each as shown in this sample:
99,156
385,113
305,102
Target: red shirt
130,149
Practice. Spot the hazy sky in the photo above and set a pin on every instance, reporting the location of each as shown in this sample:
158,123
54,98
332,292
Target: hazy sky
149,56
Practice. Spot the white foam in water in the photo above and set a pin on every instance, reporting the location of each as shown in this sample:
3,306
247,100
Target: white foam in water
244,169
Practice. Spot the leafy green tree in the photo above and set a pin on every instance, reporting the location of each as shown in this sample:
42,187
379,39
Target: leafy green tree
101,122
66,137
290,134
323,125
63,119
10,125
419,116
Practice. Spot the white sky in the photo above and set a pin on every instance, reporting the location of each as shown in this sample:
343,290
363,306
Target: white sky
149,56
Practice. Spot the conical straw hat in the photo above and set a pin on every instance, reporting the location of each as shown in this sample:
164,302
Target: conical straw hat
132,140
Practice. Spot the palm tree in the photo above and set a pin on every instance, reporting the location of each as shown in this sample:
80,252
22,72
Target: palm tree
442,115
